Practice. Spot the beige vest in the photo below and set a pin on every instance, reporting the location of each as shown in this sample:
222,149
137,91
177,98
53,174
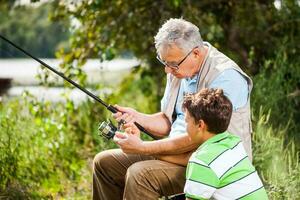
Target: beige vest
214,64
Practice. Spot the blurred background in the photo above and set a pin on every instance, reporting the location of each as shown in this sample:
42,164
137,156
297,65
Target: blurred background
48,129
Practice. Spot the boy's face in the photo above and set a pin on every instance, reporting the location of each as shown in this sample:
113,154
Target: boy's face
193,129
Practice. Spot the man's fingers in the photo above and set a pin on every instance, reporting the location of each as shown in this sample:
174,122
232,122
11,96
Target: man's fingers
125,114
124,117
129,119
128,125
133,129
119,137
121,116
128,130
117,115
121,109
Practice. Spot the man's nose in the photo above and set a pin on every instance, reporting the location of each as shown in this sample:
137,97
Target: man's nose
168,70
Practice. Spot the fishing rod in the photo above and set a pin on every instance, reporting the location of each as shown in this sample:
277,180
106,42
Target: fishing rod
106,129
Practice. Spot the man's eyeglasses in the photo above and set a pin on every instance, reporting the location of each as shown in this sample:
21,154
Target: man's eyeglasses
174,66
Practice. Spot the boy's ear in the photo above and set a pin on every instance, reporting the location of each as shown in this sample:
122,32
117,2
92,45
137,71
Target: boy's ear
201,125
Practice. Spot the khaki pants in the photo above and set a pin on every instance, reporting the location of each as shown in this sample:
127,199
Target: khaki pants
117,175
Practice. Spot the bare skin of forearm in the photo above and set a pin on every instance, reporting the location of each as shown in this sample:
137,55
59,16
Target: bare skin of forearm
169,146
179,159
157,123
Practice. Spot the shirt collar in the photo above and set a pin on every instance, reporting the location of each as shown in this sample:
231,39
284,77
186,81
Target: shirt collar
217,137
192,79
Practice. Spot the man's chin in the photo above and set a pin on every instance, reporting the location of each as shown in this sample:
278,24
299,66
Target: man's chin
178,76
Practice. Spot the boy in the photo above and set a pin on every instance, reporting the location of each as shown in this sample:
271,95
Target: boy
220,167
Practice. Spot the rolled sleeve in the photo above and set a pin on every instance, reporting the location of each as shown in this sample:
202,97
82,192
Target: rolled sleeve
234,85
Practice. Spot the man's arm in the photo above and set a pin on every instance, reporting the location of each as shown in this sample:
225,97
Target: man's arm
168,146
175,145
157,124
179,159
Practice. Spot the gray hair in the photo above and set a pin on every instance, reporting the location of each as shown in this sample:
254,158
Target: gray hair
179,32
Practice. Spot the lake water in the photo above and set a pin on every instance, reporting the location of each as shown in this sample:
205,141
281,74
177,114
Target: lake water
23,74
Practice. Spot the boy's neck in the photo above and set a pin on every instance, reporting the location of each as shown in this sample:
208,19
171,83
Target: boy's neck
207,135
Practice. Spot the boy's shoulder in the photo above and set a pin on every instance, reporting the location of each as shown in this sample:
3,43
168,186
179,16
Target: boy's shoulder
216,146
222,167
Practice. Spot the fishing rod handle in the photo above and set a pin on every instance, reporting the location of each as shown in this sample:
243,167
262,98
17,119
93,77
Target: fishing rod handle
140,127
145,131
112,109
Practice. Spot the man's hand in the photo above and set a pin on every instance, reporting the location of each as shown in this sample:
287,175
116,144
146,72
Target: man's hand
129,115
130,141
131,128
157,123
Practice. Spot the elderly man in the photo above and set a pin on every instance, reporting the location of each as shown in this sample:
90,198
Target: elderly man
150,169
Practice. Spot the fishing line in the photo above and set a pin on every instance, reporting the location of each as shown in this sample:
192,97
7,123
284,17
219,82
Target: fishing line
90,94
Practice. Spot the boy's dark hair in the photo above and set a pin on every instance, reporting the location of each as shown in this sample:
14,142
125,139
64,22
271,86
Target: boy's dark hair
210,105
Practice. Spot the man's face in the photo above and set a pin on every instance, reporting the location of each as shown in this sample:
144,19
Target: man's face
192,127
189,62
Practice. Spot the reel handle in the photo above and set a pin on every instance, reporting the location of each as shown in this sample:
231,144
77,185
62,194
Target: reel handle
140,127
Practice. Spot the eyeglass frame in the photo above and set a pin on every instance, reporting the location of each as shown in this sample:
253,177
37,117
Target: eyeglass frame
176,67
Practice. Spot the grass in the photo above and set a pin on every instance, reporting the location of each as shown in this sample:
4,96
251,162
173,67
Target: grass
276,159
46,151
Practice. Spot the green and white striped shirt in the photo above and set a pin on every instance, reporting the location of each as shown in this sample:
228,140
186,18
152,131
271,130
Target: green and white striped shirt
221,169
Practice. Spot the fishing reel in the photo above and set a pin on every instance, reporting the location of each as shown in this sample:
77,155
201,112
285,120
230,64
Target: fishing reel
108,129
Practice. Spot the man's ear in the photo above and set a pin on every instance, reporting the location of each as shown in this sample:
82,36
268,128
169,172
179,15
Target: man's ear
197,51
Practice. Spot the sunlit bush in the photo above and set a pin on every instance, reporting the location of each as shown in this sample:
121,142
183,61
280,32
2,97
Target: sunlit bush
276,159
42,148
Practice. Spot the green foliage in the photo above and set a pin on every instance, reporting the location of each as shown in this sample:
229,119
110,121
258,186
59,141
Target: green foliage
276,159
30,28
44,147
137,90
237,27
277,88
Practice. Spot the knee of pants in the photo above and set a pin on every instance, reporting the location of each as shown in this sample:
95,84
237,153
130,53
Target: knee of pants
136,173
101,160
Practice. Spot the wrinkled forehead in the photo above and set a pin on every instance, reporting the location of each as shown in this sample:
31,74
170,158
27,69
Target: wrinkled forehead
170,52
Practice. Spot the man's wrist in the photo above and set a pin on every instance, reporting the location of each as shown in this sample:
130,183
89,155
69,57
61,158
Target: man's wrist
139,117
146,150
